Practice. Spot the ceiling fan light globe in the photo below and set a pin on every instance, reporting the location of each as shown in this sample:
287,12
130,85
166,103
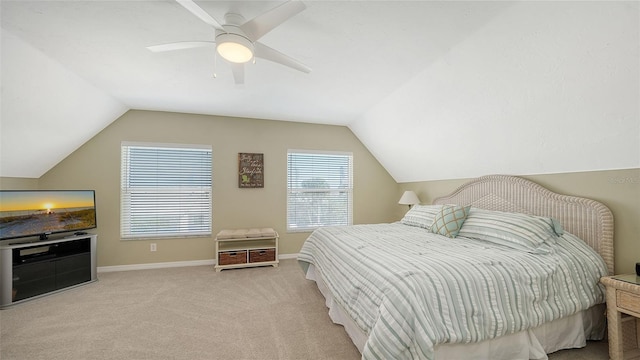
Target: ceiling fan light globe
234,48
234,52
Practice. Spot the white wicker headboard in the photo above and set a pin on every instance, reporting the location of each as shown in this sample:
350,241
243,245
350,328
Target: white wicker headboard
588,219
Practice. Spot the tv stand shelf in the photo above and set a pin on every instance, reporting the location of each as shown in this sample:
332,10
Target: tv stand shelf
29,270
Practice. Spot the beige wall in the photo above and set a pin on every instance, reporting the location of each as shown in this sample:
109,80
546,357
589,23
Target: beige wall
96,165
10,183
618,189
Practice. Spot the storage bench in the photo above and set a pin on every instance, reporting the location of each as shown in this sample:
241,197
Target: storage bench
246,247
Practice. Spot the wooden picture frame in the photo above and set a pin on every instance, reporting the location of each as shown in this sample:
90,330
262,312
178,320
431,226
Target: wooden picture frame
250,170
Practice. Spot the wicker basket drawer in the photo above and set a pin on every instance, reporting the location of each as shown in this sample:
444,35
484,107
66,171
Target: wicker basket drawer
628,301
232,257
262,255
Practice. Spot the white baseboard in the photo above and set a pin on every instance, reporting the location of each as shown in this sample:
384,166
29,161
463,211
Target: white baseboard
162,265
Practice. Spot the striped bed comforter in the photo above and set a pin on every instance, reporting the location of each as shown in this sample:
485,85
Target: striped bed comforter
409,289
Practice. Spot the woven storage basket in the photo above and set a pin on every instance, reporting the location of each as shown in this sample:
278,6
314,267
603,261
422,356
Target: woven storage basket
232,257
262,255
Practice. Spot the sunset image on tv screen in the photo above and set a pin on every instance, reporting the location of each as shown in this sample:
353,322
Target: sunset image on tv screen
30,213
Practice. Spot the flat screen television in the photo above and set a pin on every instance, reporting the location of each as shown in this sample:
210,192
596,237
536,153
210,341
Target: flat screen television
31,213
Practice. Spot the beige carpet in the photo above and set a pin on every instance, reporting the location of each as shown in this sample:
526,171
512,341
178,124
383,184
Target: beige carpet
188,313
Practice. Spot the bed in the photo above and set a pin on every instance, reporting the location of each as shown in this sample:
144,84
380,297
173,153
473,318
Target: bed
501,268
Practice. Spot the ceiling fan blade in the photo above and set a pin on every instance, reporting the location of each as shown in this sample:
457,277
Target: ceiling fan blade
181,45
262,24
238,72
267,53
199,12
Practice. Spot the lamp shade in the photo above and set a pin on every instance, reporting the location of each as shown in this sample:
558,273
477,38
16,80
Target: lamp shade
409,198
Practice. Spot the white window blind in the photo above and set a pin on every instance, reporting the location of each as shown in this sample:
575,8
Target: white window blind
165,191
319,189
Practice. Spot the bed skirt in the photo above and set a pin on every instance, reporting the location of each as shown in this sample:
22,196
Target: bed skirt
566,333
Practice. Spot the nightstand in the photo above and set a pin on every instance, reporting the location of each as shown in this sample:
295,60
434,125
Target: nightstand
623,312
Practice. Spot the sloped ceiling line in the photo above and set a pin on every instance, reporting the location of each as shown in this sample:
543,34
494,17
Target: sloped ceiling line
435,90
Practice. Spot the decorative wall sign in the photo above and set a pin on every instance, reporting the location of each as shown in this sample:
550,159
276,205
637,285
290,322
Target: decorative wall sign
250,170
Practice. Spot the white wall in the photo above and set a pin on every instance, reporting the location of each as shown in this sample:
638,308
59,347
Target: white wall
75,110
545,87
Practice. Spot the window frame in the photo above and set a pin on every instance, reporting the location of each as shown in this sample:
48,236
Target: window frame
348,212
202,194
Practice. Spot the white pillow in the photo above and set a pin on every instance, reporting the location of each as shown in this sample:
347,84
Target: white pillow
421,216
515,230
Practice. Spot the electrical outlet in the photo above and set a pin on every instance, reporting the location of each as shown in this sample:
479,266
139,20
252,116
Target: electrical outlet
154,247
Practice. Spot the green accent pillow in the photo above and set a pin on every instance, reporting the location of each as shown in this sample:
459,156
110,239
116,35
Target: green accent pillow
449,220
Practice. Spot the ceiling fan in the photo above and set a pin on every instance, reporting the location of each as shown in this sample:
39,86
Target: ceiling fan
237,40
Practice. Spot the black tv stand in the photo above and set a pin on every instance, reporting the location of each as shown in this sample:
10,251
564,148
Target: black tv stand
29,270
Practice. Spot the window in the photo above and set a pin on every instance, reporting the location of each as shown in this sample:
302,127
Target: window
165,190
319,189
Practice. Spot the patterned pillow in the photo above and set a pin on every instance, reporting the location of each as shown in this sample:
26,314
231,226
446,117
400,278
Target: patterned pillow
449,220
421,215
515,230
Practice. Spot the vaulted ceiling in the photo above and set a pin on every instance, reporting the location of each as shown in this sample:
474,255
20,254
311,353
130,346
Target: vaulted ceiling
534,86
